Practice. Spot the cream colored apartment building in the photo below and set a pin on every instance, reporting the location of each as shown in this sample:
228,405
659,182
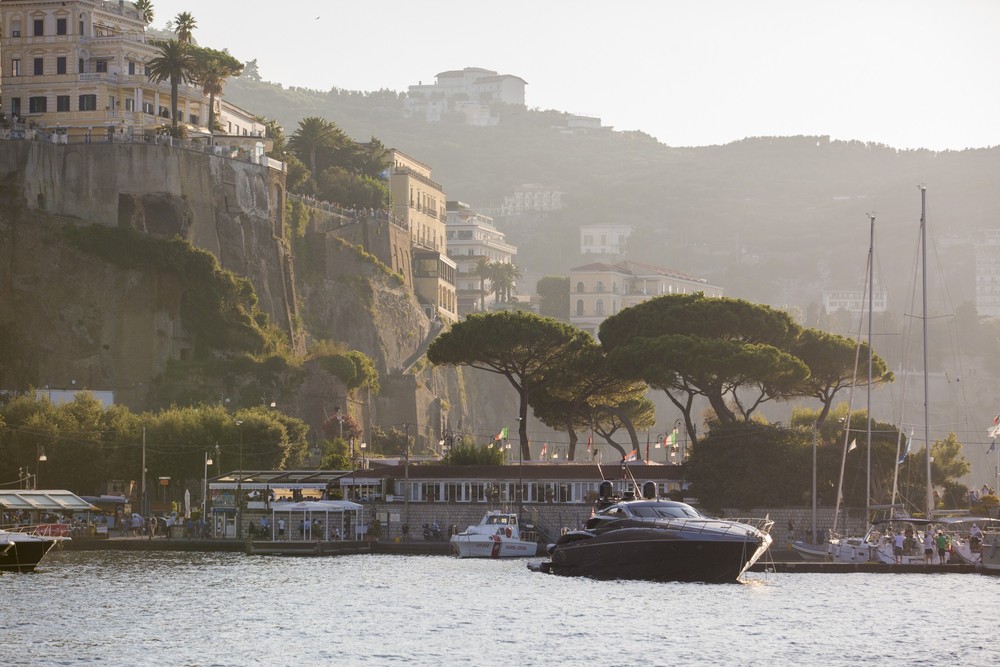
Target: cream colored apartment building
78,67
421,204
600,290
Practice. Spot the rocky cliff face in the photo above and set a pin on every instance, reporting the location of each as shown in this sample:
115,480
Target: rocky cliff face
70,319
231,208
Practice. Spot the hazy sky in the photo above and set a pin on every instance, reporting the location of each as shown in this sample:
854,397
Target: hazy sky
908,73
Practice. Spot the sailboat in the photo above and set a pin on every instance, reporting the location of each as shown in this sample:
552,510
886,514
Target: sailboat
855,549
878,544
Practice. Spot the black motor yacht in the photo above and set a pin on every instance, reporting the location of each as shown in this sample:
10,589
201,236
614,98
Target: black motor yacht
658,540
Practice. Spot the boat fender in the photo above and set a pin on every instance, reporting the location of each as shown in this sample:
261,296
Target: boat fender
508,531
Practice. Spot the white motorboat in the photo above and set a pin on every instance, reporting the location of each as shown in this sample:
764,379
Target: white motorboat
498,535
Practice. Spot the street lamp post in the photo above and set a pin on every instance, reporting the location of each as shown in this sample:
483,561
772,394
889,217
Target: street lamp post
38,468
239,488
204,490
364,462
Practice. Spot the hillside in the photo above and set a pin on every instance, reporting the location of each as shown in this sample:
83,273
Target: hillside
774,220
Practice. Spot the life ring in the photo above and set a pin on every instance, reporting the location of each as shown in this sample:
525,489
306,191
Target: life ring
508,531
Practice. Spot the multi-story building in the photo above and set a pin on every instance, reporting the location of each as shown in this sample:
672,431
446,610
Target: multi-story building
471,235
607,239
469,91
600,290
532,198
420,203
854,301
78,67
987,252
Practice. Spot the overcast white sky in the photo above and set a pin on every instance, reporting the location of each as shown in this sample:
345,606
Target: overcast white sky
908,73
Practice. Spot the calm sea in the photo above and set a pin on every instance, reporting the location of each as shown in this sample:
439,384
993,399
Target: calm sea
165,608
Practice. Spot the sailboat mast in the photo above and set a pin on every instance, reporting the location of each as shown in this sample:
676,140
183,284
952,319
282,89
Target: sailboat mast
871,291
923,273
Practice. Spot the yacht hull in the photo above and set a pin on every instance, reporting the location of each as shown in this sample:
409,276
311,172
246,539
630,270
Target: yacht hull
656,555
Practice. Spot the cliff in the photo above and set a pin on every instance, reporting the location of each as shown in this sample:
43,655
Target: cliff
74,319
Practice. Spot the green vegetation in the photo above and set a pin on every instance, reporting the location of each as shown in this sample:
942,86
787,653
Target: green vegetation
216,305
87,445
339,169
521,346
470,454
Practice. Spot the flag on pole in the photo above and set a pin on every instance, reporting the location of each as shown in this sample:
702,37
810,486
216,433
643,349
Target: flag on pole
993,445
909,442
502,435
633,455
544,452
590,441
995,430
854,445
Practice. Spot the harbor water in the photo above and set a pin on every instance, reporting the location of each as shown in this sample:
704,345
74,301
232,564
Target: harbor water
167,608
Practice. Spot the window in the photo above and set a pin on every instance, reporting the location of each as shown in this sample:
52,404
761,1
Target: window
131,67
15,67
15,106
38,104
62,103
579,307
129,104
88,102
600,287
164,112
61,65
147,107
600,308
39,66
39,27
102,66
60,26
80,66
15,28
193,119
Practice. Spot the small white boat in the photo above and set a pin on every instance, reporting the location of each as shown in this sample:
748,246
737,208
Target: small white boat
990,553
498,535
810,551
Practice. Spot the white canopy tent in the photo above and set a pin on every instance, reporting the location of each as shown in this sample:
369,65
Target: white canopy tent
318,520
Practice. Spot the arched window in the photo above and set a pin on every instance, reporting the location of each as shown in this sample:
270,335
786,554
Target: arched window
600,286
579,288
600,308
579,307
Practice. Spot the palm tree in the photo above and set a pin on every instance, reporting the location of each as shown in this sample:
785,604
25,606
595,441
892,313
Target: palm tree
504,278
313,134
482,270
184,25
175,64
211,69
145,8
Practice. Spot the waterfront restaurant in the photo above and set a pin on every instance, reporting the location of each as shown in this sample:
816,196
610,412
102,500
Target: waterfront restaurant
261,490
453,493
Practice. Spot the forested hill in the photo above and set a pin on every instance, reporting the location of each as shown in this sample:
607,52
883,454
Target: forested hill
772,219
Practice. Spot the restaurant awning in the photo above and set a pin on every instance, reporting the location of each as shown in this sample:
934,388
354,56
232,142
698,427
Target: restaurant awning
45,501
